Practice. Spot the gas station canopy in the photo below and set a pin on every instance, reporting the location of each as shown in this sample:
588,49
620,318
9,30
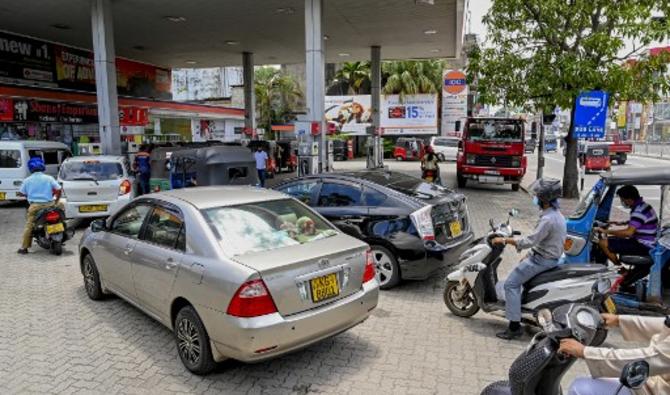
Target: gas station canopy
211,33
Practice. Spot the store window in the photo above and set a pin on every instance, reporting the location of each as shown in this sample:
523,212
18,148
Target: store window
10,159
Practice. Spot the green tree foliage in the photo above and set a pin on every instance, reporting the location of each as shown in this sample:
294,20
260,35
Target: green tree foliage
542,53
409,77
277,95
356,75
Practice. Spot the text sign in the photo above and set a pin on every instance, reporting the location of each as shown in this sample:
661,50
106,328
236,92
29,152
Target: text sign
590,118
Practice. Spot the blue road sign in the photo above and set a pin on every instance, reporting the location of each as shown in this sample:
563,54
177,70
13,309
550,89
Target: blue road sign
591,115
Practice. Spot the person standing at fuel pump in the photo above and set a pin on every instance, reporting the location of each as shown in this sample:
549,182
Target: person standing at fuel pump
261,163
142,166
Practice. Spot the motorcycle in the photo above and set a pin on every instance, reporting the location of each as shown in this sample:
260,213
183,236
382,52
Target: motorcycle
540,368
51,231
430,176
474,285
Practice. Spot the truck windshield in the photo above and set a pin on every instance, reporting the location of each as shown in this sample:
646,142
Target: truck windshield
495,130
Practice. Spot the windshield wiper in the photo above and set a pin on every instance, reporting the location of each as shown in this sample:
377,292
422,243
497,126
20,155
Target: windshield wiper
86,179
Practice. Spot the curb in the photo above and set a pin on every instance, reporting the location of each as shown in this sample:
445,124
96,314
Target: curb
651,156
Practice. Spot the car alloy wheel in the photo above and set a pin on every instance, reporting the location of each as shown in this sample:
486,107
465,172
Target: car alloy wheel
188,341
387,267
92,279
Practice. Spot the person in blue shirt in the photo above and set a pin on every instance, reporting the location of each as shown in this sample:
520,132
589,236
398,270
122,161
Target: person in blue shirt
142,165
40,190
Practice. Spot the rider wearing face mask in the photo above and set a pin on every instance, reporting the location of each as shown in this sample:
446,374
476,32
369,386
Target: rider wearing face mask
546,248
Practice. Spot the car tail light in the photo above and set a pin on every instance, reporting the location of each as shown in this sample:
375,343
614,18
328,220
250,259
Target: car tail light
423,222
370,271
125,187
52,217
252,299
470,159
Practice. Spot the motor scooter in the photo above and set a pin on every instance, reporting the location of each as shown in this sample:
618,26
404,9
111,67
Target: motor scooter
475,285
50,229
540,368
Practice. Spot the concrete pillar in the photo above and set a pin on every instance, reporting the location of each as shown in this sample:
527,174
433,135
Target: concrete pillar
315,74
375,101
105,76
249,91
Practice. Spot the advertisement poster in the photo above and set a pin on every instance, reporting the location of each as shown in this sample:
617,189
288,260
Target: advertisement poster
352,114
454,102
6,109
414,115
28,61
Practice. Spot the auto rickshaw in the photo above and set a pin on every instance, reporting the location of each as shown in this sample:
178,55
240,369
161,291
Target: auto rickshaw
161,162
270,147
214,165
596,209
594,157
409,148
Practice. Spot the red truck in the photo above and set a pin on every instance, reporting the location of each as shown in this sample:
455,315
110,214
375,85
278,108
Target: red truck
492,151
618,148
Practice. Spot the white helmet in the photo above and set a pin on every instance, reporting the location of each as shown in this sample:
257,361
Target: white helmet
547,189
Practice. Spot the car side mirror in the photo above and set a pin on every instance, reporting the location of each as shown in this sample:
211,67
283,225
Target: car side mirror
634,375
98,225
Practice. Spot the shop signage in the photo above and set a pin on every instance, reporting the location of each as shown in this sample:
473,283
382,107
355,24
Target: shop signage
34,62
133,116
454,102
6,109
45,111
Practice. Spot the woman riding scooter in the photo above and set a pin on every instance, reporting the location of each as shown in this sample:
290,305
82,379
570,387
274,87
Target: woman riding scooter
429,164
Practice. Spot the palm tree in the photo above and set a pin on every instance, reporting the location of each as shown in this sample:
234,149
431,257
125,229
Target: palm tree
355,74
277,95
410,77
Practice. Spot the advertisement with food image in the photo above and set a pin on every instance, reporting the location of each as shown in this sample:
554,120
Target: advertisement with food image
352,114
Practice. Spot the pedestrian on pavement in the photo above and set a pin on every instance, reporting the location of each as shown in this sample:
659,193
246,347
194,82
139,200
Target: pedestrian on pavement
142,167
546,248
40,190
606,364
261,163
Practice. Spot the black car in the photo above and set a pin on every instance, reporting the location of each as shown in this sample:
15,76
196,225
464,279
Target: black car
414,228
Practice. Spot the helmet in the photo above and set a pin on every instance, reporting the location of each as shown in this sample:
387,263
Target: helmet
546,189
36,164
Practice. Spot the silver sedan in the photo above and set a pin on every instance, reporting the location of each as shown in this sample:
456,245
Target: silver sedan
235,272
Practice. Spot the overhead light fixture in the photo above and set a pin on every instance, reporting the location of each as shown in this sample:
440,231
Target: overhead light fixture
343,54
430,32
435,50
61,26
139,47
175,19
428,2
191,62
326,37
285,10
232,42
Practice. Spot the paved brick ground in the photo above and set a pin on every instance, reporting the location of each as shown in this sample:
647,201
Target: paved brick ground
53,339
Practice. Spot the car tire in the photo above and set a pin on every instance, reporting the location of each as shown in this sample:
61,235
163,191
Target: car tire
56,248
516,187
461,181
461,311
387,267
92,284
193,344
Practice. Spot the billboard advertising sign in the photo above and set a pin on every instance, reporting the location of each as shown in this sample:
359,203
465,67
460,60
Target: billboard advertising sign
28,61
352,114
414,114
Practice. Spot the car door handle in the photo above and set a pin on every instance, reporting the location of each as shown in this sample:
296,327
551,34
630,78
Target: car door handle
128,250
170,263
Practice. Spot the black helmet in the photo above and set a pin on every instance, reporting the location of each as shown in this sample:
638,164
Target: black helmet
547,189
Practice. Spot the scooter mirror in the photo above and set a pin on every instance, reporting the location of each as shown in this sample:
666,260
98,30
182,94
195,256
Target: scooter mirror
634,374
493,227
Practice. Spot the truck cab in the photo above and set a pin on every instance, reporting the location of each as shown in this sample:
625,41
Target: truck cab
492,151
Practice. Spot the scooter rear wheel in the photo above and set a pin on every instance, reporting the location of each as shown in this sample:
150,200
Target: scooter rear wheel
466,306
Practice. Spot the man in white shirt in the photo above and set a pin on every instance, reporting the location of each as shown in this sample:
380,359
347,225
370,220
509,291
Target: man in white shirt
261,160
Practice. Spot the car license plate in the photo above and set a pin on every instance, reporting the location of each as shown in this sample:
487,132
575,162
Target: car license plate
492,172
3,196
324,287
93,208
610,306
455,228
491,179
55,228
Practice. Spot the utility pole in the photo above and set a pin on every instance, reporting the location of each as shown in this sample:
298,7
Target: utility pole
540,150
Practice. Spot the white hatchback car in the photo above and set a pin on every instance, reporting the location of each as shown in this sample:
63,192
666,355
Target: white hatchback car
446,148
95,186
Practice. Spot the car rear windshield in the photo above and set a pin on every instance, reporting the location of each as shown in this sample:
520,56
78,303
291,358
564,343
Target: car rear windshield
265,226
91,170
405,184
494,130
10,159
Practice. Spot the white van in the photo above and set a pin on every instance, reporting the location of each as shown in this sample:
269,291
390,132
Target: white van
14,157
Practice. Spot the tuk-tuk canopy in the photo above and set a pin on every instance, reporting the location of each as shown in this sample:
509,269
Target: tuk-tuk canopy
638,176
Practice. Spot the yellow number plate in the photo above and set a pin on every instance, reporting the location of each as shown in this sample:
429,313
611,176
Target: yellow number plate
455,228
3,196
55,228
325,287
610,306
93,208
